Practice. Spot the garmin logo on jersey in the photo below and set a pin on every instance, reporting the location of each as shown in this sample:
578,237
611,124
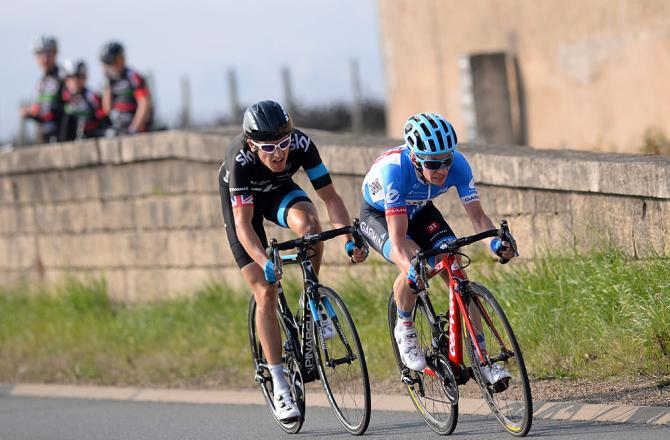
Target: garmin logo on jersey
370,234
470,198
300,142
245,157
392,195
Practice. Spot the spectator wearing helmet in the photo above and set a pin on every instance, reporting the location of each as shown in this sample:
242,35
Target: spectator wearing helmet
82,109
398,217
125,99
47,111
255,183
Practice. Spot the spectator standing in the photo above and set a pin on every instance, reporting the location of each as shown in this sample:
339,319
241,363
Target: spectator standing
47,111
82,109
126,98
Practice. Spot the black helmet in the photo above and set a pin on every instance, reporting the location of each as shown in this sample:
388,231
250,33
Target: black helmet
110,52
45,43
74,68
266,121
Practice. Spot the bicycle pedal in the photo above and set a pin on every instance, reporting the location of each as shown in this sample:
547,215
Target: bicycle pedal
407,380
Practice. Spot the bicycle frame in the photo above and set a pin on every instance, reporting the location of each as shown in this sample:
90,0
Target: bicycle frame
457,310
305,352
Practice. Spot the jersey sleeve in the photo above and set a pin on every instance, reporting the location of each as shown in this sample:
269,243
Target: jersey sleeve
140,89
465,181
311,160
391,183
237,179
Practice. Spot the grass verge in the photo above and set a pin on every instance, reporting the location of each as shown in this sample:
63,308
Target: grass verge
595,315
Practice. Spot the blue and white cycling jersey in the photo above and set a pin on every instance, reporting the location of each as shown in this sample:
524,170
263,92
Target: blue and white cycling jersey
393,186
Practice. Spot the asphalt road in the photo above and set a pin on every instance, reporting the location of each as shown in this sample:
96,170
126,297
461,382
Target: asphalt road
31,418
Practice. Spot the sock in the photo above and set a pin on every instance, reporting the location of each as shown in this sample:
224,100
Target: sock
404,319
278,380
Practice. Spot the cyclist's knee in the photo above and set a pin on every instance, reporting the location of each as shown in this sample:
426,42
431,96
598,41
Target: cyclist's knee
305,223
266,296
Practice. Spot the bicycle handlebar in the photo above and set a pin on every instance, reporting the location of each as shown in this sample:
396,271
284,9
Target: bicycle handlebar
503,233
311,239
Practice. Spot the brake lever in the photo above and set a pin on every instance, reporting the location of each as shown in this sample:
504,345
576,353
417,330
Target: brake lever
276,258
505,235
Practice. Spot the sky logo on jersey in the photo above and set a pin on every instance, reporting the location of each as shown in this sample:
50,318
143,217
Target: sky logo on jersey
300,142
239,201
245,157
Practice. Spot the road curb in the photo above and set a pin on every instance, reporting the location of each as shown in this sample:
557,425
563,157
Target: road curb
569,411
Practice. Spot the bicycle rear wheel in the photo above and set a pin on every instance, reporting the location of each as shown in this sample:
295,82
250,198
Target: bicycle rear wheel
291,370
509,399
343,371
434,391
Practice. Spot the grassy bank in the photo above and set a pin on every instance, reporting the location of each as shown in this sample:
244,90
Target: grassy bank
599,314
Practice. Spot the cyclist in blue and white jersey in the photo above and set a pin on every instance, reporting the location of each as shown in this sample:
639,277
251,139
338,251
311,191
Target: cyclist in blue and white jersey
398,217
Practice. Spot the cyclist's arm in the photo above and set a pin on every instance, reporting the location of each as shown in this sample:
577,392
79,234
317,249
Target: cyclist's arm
142,115
107,99
246,234
481,222
337,211
402,249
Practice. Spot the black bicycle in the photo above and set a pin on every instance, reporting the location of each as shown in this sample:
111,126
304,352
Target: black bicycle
473,311
308,354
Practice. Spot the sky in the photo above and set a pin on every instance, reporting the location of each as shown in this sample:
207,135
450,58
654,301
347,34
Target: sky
200,39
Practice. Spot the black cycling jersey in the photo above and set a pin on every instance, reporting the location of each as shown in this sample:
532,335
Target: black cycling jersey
244,180
82,115
126,90
48,110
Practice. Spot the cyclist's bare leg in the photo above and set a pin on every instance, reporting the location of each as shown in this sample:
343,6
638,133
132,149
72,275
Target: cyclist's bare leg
266,312
303,219
403,294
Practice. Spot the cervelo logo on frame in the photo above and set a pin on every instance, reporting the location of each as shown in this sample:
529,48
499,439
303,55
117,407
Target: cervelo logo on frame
245,157
392,195
239,201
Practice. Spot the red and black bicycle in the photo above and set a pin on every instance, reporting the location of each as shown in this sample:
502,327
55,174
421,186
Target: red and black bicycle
474,320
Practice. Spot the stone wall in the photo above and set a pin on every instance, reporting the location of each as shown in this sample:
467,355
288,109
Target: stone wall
144,211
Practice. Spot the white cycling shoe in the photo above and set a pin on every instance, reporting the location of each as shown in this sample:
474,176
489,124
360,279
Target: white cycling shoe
494,374
408,346
285,407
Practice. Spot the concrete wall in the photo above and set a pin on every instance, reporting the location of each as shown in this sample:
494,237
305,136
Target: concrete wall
145,211
595,75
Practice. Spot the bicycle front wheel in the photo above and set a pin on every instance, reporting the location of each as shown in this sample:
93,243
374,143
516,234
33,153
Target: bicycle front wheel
433,391
509,397
341,365
291,370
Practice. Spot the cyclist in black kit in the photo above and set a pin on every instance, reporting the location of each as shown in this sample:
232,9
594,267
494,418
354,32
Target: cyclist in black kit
125,99
255,183
82,109
47,111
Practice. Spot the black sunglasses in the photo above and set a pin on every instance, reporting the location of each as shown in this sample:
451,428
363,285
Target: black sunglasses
431,164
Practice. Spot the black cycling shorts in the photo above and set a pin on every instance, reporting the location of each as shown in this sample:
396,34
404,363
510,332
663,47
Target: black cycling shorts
272,206
427,229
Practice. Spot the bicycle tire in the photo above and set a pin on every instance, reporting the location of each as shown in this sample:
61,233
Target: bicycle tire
441,415
510,401
291,371
346,385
